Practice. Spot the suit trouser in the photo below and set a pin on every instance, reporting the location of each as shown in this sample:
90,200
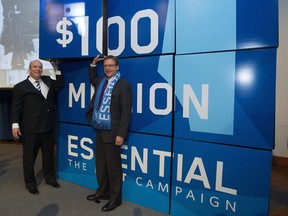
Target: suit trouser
108,169
31,145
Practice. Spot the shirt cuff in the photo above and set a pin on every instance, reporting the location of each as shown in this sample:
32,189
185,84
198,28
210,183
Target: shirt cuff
92,65
57,72
15,125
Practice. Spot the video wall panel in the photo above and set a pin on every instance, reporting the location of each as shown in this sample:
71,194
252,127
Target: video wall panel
226,97
213,179
75,28
76,151
203,83
211,26
152,92
146,163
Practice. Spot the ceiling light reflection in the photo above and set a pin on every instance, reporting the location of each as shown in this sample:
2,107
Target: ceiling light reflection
245,76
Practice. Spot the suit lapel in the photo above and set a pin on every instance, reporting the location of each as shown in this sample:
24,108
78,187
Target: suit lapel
46,81
31,87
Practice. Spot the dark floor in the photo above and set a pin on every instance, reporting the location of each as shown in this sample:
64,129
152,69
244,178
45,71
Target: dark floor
279,191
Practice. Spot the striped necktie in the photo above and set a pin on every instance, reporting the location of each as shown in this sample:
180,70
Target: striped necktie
38,85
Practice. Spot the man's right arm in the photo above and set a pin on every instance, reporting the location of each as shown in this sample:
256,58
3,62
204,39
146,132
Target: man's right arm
16,111
93,70
93,74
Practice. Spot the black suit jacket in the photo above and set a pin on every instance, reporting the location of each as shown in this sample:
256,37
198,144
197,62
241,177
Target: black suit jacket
31,110
120,107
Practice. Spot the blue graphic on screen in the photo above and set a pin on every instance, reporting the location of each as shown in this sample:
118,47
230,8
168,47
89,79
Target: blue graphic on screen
76,146
169,33
205,26
212,179
77,92
196,33
69,28
254,98
73,29
151,80
257,31
144,27
147,170
216,158
206,91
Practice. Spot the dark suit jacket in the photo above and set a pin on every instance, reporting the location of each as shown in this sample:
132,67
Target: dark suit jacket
120,107
31,110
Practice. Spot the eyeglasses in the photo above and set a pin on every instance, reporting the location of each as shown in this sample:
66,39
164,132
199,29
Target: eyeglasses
109,66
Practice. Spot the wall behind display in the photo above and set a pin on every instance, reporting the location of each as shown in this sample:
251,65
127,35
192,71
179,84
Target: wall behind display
281,130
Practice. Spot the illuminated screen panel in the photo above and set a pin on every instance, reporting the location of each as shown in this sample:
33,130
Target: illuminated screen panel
74,29
69,29
151,81
19,41
230,100
213,179
208,26
146,162
141,27
75,148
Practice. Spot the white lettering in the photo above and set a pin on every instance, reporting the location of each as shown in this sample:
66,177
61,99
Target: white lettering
150,184
99,35
117,20
77,95
72,146
142,163
139,97
77,165
163,189
197,163
190,195
179,167
162,155
124,156
137,181
188,94
152,106
84,147
152,15
228,204
102,116
219,176
178,190
214,201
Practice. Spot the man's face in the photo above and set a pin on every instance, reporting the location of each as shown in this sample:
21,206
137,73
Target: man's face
110,68
35,69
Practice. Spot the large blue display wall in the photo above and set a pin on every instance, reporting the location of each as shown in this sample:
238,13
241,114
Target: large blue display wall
203,81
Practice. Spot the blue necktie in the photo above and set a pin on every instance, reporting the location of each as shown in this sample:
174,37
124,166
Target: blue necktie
102,92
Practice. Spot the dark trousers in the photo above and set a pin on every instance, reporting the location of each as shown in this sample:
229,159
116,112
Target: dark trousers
31,145
108,169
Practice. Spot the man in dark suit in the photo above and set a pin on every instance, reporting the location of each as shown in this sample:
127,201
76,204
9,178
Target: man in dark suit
33,117
110,113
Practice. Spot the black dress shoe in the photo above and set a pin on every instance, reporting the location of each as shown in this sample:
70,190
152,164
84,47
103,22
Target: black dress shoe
54,184
96,197
33,190
111,205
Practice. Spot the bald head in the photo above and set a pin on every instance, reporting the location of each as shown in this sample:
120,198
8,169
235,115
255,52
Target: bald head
33,61
35,69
